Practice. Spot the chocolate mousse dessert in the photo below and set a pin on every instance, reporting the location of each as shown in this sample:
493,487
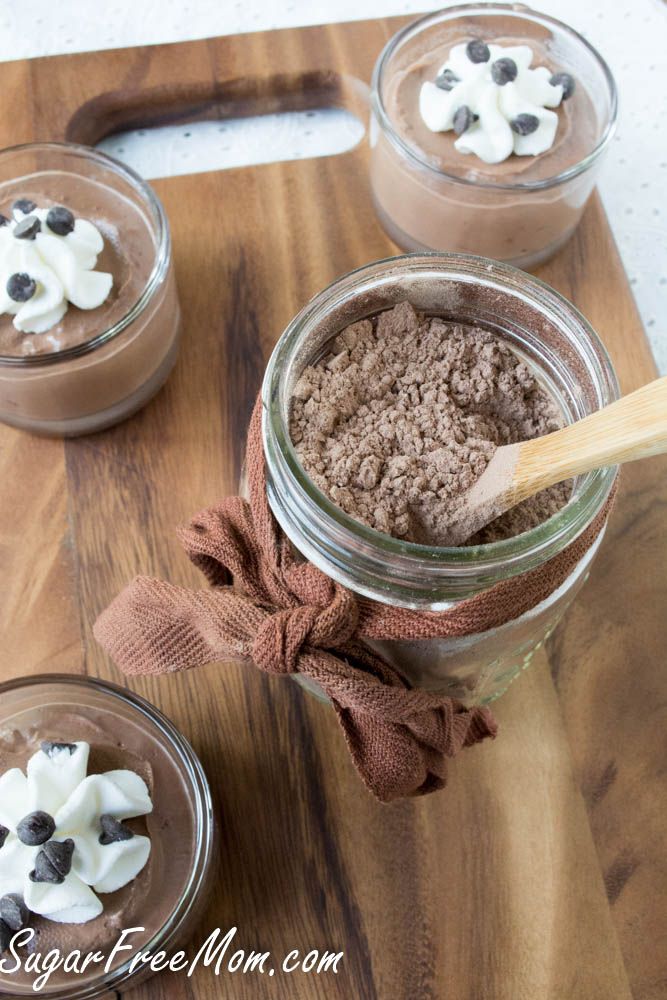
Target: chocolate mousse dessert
98,832
64,278
398,420
88,326
73,870
509,118
487,121
66,842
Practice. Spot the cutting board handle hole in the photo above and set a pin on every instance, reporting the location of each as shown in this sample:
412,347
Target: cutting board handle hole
171,150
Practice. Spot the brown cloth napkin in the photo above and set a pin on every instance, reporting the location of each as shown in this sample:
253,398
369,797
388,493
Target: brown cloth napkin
289,617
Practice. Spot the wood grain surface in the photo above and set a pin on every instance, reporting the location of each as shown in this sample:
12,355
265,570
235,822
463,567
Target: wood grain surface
540,873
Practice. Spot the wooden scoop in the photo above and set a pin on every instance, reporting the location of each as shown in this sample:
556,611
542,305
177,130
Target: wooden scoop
632,427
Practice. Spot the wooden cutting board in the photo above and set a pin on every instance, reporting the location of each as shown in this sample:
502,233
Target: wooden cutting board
540,873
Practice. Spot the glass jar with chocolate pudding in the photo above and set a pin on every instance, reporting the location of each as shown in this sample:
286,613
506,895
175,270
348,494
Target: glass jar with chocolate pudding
89,314
129,795
550,358
488,128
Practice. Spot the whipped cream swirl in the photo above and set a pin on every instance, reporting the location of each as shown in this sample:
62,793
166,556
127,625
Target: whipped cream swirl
62,839
47,259
495,102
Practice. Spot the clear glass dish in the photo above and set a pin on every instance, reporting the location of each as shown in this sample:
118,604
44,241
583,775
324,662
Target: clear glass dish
119,367
470,208
172,898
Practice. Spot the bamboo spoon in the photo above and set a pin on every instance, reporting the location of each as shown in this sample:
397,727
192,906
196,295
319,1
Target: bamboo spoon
632,427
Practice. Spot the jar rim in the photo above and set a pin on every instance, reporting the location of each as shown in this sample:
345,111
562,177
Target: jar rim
155,278
481,562
518,11
169,932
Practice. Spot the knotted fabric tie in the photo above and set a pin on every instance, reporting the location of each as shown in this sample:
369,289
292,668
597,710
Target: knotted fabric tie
267,605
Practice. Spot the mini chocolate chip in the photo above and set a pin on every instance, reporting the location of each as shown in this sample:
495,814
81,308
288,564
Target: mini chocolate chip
14,912
504,71
113,830
35,828
4,833
477,51
525,124
24,205
54,862
48,746
4,221
446,80
463,119
59,853
565,81
27,228
6,935
60,220
21,287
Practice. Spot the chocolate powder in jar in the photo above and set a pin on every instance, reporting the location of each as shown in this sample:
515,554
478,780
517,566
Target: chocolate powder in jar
404,414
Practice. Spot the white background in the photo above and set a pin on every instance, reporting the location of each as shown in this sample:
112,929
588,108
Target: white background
631,35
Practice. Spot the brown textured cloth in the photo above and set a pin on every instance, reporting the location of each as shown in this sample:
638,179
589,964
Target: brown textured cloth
289,617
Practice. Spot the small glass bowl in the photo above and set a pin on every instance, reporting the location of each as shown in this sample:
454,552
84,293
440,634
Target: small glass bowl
522,222
104,379
181,826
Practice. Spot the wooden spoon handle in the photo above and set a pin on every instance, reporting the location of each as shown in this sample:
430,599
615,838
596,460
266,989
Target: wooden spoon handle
632,427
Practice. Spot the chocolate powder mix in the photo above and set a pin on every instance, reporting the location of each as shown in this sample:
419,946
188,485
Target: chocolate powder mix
404,414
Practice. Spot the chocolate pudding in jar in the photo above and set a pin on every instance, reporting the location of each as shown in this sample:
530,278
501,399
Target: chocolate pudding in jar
89,315
488,127
105,825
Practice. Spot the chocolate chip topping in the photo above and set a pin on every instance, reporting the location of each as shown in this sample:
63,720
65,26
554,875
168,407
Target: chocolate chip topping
4,833
54,862
36,828
27,228
463,119
48,746
504,71
525,124
6,935
24,205
4,221
60,220
446,80
477,51
14,912
113,830
565,81
21,287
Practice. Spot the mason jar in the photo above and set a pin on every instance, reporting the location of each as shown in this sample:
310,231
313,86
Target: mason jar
568,358
522,215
